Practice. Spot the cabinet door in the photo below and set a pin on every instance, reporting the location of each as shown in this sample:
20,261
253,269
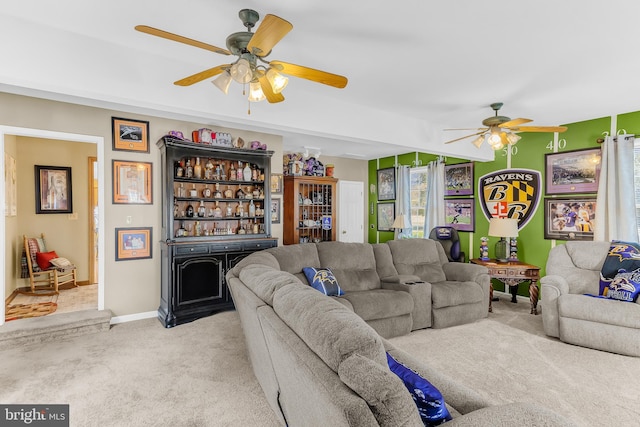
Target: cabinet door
198,281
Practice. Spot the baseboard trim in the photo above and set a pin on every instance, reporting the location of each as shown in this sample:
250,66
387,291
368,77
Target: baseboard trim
132,317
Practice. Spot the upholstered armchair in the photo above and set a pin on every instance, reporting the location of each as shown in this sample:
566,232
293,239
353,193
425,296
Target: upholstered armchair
573,270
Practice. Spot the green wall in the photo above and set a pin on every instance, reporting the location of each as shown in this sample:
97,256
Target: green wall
529,153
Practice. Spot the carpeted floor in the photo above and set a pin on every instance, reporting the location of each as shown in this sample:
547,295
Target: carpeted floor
198,374
508,358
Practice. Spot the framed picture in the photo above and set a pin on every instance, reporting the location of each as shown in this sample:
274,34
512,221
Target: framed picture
10,186
458,179
386,216
133,243
387,184
275,211
53,189
569,219
573,171
130,135
276,183
132,183
460,214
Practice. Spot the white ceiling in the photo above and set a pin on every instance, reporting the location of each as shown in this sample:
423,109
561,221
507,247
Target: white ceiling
414,67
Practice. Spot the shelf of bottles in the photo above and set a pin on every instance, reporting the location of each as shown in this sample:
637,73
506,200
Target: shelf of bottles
217,197
315,212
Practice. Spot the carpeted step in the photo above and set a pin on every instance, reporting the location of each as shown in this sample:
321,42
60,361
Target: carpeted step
53,327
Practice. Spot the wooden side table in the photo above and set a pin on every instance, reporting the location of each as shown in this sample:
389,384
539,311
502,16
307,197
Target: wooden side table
512,273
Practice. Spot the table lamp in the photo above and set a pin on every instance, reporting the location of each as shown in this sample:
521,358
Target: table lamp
503,227
399,223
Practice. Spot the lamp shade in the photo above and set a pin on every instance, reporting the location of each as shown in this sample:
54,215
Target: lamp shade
503,227
277,80
222,82
241,71
400,222
255,92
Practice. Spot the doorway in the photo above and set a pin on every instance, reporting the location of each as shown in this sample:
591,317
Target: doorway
39,133
351,211
94,220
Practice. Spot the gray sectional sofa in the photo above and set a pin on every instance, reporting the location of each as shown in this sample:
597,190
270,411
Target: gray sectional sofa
322,360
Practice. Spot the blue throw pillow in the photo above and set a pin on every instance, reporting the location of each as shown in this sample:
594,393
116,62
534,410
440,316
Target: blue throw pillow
428,399
323,280
625,286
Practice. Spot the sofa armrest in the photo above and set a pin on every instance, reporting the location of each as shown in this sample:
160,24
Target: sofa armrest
551,288
400,278
420,291
464,272
558,282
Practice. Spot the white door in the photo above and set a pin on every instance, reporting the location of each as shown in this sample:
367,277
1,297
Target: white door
351,211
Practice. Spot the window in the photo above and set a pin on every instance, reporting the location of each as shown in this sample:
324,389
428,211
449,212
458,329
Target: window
418,183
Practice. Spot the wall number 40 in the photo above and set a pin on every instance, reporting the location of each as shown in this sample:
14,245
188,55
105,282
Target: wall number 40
562,144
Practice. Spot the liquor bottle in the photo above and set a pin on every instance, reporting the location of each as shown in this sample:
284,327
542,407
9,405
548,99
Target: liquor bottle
202,210
232,173
255,173
190,211
206,192
209,170
197,169
198,229
181,231
252,209
176,208
182,192
229,210
223,172
239,176
217,194
193,192
247,172
240,210
189,169
179,170
256,228
217,212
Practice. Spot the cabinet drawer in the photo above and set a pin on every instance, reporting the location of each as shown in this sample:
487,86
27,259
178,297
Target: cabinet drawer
226,247
184,250
256,246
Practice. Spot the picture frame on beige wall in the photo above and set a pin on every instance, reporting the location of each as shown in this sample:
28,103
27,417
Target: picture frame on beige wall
130,135
53,189
132,182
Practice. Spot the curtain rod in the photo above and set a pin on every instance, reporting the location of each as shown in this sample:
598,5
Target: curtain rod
615,138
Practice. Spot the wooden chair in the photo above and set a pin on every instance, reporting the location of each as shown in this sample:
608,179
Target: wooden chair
49,279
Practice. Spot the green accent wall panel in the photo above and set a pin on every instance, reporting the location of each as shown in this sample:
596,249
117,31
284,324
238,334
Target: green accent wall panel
373,198
630,122
407,159
584,134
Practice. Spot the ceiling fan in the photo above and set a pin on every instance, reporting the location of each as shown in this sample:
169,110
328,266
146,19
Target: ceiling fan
501,130
265,81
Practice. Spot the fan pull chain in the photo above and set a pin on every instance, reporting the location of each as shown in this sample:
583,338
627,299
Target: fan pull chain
248,107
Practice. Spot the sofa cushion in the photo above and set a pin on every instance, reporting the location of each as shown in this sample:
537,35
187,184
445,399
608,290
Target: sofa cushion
428,399
323,280
384,261
353,264
44,259
264,281
384,392
447,293
260,257
599,310
293,258
419,257
329,328
380,303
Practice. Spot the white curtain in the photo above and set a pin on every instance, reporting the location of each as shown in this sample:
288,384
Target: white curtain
434,208
403,201
616,202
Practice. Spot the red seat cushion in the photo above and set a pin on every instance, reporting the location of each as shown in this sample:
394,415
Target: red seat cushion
43,258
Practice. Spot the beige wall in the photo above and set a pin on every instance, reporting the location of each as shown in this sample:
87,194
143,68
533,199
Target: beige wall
130,286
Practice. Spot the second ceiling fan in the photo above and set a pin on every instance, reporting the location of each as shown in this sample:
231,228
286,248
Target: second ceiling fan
501,131
265,81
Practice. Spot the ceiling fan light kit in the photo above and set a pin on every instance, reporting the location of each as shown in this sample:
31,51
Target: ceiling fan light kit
501,131
265,81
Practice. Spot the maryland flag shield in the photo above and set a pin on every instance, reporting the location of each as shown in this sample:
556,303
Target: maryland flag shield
510,193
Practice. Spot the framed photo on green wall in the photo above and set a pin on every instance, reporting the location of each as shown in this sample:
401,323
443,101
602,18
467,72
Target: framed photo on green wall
386,216
569,219
460,214
572,171
387,184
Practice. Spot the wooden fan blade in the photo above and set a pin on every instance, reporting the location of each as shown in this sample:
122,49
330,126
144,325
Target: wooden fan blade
170,36
468,129
198,77
465,137
271,30
310,74
540,129
514,122
271,96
